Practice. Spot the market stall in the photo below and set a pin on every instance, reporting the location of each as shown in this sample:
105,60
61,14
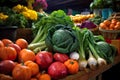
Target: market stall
56,45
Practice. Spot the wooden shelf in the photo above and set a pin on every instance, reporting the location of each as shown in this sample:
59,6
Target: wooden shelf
89,74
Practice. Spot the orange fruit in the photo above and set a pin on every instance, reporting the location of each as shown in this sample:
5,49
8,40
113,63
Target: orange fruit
33,66
7,41
117,27
22,43
103,26
118,23
45,76
1,44
26,55
8,53
112,25
107,22
114,21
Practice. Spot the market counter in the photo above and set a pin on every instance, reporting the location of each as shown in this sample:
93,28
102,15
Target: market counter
92,74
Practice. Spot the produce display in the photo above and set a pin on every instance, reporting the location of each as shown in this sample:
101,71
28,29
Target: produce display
87,24
110,28
89,21
96,19
59,49
79,18
40,29
112,24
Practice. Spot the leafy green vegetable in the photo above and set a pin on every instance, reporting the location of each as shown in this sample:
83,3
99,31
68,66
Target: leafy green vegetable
61,39
98,38
99,4
101,49
17,20
40,15
108,51
82,48
40,28
96,20
95,51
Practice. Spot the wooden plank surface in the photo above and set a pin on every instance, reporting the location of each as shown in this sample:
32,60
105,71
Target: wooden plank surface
89,74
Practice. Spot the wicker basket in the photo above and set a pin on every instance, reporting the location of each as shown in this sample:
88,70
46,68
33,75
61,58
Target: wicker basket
109,34
95,30
115,16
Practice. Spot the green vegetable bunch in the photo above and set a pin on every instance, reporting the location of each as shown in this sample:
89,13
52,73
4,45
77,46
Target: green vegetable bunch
40,28
97,20
108,51
93,50
99,4
61,39
46,22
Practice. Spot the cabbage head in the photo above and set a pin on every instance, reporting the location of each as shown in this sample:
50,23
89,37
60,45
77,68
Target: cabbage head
61,39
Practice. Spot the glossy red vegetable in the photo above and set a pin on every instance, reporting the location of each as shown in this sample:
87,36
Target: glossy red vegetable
60,57
44,59
57,70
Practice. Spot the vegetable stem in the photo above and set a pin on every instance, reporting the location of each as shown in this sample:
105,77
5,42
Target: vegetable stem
100,60
81,50
38,49
37,37
93,50
92,62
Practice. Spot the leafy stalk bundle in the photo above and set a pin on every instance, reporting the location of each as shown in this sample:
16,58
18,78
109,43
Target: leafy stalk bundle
40,28
81,35
93,50
102,51
61,39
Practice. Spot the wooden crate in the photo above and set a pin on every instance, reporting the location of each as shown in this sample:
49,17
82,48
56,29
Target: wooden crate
25,33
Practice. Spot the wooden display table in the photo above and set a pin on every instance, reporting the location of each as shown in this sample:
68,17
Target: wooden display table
91,74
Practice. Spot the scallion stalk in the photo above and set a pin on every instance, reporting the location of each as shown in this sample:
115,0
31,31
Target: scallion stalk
100,60
82,58
92,62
